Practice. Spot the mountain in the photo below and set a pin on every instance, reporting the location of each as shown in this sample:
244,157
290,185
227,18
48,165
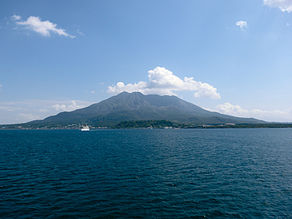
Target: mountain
136,106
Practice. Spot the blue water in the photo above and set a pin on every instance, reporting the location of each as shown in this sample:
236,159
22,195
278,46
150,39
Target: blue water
146,173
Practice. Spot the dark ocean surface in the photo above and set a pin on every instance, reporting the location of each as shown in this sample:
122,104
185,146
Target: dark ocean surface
154,173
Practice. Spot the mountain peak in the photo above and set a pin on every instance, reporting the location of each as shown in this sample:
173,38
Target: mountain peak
137,106
137,93
130,93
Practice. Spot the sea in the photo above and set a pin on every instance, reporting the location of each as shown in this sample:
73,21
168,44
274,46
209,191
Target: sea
146,173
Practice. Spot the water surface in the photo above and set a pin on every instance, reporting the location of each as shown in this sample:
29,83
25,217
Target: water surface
146,173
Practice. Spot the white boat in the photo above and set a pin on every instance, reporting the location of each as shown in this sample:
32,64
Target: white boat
85,128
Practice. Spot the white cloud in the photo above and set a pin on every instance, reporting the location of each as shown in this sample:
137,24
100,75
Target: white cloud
164,82
15,17
45,28
241,24
267,115
24,111
73,105
283,5
231,109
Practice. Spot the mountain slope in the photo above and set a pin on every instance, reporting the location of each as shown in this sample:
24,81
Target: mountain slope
136,106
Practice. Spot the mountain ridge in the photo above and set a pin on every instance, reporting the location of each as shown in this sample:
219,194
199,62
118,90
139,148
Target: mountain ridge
137,106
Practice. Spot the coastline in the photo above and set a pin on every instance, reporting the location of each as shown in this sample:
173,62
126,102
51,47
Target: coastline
176,126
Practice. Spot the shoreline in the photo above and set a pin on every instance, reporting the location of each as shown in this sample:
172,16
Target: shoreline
266,126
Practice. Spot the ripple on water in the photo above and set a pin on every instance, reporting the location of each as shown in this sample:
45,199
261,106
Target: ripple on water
146,173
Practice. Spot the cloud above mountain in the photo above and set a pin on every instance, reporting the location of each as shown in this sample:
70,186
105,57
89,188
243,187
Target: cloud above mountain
164,82
283,5
44,28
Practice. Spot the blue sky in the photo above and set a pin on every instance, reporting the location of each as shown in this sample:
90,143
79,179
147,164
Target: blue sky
228,56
